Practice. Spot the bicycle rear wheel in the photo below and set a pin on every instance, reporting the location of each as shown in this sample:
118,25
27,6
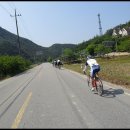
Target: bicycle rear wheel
99,86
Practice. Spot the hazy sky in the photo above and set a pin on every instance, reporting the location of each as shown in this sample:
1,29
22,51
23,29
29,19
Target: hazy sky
46,23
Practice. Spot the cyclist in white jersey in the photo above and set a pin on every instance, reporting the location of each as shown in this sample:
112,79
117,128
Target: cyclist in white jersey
94,67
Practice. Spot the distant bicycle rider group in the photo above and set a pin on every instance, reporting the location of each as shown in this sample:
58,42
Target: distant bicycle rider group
57,63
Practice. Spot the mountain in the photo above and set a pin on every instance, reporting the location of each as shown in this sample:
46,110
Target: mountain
29,49
57,49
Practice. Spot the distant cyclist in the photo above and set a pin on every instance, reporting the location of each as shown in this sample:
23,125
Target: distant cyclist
54,63
58,63
94,68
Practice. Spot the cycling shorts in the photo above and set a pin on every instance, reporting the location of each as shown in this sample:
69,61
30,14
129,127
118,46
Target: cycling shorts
94,69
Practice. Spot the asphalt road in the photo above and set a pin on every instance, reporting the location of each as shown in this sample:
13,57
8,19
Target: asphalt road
46,97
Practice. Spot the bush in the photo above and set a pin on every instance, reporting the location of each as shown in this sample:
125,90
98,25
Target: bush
11,65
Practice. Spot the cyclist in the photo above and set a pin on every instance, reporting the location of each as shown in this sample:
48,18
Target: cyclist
58,63
55,63
94,68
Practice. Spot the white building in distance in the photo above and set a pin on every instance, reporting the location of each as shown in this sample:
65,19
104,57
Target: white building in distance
124,32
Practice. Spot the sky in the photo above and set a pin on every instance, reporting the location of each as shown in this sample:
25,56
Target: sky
46,22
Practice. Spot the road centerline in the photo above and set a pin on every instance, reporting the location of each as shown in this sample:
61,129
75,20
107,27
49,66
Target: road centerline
21,112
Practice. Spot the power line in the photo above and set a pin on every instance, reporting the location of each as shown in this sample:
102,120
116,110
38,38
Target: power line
5,9
25,27
23,22
11,6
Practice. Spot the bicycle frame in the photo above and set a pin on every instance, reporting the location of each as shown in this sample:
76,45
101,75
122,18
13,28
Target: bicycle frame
98,83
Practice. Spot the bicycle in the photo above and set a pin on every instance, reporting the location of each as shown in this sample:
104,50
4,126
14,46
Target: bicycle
98,83
60,65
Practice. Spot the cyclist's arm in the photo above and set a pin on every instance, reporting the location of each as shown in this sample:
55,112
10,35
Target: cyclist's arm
85,67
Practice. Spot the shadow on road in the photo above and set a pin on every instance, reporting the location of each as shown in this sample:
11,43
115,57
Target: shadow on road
110,93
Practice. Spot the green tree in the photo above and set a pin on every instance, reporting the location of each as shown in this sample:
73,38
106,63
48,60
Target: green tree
49,59
100,49
68,55
90,49
11,65
124,46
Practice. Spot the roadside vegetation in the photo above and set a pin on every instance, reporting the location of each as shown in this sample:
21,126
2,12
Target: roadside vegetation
12,65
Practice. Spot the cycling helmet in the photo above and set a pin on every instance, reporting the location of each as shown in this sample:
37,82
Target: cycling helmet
89,57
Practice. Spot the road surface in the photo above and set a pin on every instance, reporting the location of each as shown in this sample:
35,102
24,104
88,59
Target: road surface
46,97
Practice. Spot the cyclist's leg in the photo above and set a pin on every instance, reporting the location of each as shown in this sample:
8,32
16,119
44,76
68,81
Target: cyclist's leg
97,70
99,83
92,77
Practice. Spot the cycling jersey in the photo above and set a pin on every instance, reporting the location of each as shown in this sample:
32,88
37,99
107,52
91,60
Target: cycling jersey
93,65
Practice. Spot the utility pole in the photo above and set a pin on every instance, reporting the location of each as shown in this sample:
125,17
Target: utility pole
114,34
100,27
17,30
